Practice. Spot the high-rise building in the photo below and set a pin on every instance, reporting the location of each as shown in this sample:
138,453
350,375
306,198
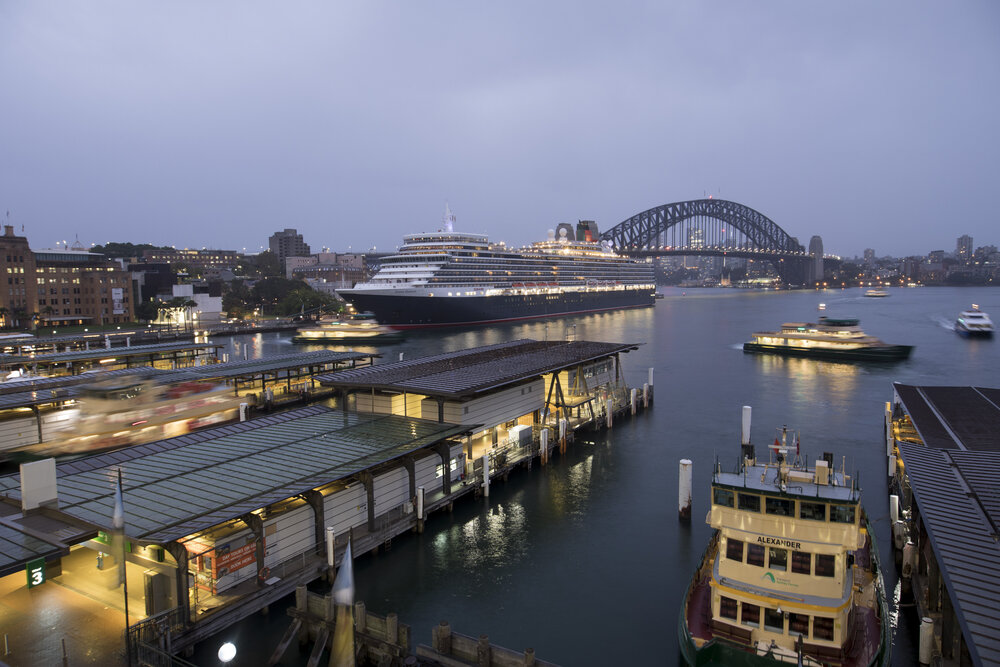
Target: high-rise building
288,243
963,249
869,256
814,273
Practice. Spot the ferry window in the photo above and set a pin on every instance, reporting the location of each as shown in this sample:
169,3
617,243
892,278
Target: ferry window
842,513
749,502
723,497
801,562
755,555
823,628
750,615
815,511
778,559
734,549
825,565
727,608
798,624
779,506
774,620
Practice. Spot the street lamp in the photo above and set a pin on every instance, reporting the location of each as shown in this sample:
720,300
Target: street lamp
227,652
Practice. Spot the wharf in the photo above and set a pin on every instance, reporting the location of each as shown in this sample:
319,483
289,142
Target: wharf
943,450
251,504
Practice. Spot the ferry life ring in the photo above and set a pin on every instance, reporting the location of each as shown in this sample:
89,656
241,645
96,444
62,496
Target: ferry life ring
264,574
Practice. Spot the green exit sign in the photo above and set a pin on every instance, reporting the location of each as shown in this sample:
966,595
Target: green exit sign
36,572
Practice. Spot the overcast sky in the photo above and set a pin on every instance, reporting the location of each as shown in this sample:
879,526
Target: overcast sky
872,124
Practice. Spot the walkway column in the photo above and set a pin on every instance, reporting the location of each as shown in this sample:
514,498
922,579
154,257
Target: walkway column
180,554
369,482
315,500
444,451
255,524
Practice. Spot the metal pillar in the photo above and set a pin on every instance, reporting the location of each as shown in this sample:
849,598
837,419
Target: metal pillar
444,451
255,524
180,554
315,500
369,482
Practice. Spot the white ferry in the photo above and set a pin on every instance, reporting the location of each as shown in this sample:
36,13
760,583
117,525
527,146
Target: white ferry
877,293
791,574
449,278
353,328
974,323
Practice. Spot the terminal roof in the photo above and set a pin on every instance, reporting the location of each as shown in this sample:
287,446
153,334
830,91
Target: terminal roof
177,487
42,390
45,533
959,504
83,355
467,373
965,418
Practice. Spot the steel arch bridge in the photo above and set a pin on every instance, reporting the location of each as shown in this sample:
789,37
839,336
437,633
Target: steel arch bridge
709,227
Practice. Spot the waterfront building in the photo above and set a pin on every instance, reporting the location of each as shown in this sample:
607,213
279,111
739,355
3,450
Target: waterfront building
18,299
75,286
288,243
195,260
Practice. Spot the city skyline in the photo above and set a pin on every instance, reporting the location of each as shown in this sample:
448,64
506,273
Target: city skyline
205,127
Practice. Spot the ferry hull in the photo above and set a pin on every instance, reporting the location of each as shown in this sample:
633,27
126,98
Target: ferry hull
879,353
970,333
416,312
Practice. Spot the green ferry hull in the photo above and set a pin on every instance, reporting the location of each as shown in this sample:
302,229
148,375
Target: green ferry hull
881,353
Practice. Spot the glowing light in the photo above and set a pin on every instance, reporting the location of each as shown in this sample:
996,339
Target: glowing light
227,652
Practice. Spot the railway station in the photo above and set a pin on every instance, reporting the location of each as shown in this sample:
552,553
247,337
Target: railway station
254,505
944,461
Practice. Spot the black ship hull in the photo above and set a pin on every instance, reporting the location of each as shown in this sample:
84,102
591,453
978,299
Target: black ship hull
417,312
873,353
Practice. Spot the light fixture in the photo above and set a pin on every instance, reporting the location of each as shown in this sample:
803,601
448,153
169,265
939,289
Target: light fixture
227,652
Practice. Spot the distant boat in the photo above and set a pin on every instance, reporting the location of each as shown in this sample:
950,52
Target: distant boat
877,292
821,306
829,338
974,323
356,328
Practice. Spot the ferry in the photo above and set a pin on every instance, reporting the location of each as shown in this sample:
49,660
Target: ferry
449,278
876,293
354,328
830,338
974,323
133,410
791,574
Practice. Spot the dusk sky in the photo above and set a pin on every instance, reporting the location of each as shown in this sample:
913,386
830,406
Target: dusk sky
872,124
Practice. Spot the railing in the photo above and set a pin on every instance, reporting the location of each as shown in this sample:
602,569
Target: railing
148,640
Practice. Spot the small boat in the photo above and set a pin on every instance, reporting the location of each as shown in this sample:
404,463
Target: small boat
659,295
876,292
830,338
974,323
791,574
355,328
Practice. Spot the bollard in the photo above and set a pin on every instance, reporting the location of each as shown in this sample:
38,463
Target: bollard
246,352
225,357
684,492
745,433
894,508
107,342
331,552
892,467
529,657
650,380
486,475
244,408
909,558
400,356
632,400
420,509
128,341
926,640
610,418
441,639
645,395
563,424
392,628
544,446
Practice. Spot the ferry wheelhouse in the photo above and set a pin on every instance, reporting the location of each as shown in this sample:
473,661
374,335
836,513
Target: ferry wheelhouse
449,278
832,338
791,574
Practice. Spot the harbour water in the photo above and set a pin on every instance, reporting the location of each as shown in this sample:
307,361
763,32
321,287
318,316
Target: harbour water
584,559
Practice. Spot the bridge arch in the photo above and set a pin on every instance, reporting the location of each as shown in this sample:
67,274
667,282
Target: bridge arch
642,229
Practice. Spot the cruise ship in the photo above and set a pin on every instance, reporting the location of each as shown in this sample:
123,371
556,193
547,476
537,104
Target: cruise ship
449,278
791,574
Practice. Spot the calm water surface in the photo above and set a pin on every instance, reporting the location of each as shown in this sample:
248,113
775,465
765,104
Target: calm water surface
584,560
